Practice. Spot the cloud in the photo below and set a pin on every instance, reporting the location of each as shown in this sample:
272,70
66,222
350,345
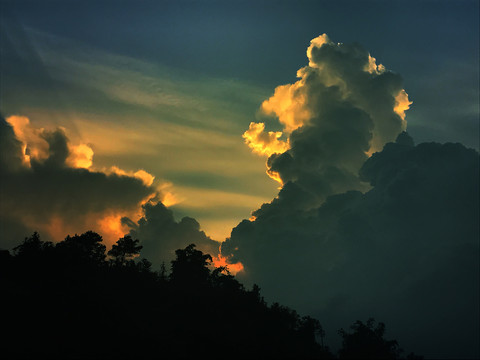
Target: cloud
264,143
160,234
366,223
405,252
146,178
135,113
343,108
81,156
48,185
36,146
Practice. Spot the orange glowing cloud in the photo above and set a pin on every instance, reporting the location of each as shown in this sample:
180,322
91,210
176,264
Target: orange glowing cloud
264,143
275,176
111,227
223,261
33,144
288,103
307,102
402,104
36,147
168,196
146,178
317,42
169,199
57,228
372,66
107,223
58,217
81,156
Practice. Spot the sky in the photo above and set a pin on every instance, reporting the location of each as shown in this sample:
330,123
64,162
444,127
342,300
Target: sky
278,126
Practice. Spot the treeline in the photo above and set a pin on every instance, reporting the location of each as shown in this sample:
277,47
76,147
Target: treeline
74,300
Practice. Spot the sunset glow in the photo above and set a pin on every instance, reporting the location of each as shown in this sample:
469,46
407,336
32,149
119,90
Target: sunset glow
233,269
264,143
112,228
289,104
34,145
402,104
81,156
326,153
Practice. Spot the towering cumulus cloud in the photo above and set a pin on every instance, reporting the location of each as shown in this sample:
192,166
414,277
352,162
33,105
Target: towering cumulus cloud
343,108
366,224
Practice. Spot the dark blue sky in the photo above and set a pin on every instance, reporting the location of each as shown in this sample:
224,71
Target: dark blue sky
432,44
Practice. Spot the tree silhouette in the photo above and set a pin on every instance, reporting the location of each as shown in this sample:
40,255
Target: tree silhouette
191,266
32,246
125,250
367,342
86,248
68,302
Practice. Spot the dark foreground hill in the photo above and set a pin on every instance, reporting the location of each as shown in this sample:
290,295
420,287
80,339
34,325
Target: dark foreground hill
72,300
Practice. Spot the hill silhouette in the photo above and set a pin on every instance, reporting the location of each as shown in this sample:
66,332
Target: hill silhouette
74,300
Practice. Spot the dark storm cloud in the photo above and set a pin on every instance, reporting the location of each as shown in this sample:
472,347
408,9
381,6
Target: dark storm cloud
405,252
48,188
11,149
160,234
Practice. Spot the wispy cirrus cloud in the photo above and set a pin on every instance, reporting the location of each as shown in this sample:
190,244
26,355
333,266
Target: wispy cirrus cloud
136,114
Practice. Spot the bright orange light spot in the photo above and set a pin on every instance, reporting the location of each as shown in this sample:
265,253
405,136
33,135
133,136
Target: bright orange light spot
288,103
402,104
81,156
275,176
167,194
169,199
233,268
264,143
56,228
370,152
108,225
111,227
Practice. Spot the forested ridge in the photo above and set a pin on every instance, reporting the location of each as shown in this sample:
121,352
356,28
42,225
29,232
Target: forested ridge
75,300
